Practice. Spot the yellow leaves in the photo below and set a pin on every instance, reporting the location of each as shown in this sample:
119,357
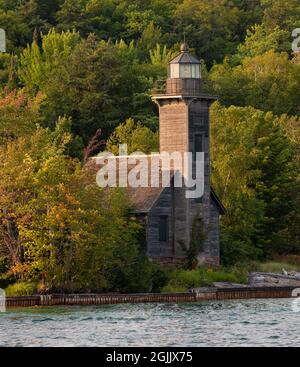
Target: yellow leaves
58,215
28,160
35,103
268,63
19,269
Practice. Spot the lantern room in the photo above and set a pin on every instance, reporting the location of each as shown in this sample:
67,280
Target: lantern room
184,66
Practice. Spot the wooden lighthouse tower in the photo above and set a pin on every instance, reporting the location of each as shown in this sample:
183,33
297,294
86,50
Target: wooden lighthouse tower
184,124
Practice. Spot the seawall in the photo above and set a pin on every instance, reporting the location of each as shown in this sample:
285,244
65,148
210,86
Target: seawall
213,294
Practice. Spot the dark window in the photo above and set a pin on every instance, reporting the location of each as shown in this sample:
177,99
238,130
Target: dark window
198,145
198,119
163,228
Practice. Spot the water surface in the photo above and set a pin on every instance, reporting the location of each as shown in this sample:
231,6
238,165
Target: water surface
228,323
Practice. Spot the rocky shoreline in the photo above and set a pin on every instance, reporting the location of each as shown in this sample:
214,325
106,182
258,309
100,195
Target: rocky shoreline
264,280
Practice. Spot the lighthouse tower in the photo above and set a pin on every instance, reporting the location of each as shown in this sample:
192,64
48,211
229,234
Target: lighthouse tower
184,125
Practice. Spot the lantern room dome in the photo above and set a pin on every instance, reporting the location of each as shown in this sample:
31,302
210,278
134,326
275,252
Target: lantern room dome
184,65
184,47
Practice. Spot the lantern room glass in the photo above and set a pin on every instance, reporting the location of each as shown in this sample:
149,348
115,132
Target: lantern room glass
174,71
185,71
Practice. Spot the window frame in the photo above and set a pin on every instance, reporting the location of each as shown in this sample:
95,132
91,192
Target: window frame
163,228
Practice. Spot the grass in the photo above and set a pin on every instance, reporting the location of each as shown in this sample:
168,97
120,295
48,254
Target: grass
182,280
179,280
276,267
173,289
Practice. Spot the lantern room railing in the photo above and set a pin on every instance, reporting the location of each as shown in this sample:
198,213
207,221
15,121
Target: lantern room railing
180,86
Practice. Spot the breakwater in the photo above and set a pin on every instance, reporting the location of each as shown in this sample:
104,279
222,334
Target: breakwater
193,296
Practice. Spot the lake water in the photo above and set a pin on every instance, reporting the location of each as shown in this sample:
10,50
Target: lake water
228,323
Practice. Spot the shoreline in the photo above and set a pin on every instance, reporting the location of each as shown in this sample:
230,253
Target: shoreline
207,294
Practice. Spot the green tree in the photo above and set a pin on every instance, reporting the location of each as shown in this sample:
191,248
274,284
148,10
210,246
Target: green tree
19,114
18,32
268,82
258,41
256,177
212,27
38,66
137,137
94,83
56,225
282,13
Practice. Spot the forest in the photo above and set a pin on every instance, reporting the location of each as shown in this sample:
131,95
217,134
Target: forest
77,78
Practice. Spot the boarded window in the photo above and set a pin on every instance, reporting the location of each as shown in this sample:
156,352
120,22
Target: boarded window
163,228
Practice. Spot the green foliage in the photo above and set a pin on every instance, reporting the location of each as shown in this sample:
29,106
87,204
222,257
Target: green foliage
198,236
214,28
161,56
173,289
258,41
38,66
137,278
151,36
255,175
19,114
73,76
137,137
269,82
5,277
56,224
160,277
21,289
282,13
7,71
17,31
182,280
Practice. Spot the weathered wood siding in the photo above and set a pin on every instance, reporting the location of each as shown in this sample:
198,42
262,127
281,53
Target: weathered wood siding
163,206
181,119
173,127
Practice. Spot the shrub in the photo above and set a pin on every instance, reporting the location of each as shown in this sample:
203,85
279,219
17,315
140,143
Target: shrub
181,280
5,278
189,279
21,289
161,276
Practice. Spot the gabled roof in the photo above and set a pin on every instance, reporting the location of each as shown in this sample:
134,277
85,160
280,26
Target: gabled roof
217,201
144,198
184,58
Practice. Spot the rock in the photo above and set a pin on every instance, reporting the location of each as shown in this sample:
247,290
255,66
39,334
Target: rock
274,280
